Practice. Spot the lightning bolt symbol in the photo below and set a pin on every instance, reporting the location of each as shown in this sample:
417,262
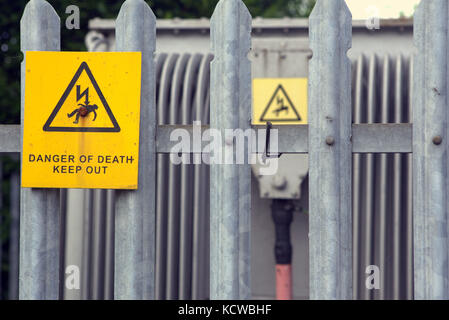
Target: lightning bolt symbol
282,107
280,101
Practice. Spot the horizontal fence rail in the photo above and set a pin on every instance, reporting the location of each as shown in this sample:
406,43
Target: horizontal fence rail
366,138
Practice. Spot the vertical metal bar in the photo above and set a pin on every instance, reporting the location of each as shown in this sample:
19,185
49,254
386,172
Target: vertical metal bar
98,243
75,235
1,235
200,193
430,143
369,175
14,238
356,185
200,254
136,210
205,258
62,241
204,223
39,232
174,181
330,151
383,187
185,235
397,190
409,203
109,246
230,203
162,187
86,269
186,212
173,231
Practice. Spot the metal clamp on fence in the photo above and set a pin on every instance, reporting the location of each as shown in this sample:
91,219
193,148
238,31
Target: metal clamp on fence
267,154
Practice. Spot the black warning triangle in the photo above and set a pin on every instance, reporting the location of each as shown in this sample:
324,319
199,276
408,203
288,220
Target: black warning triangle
83,67
275,108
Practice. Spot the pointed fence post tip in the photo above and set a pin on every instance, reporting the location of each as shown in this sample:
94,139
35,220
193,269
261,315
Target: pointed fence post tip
135,4
40,27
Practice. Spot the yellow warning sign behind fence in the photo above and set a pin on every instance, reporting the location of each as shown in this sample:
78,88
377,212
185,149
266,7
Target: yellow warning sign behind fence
280,101
82,116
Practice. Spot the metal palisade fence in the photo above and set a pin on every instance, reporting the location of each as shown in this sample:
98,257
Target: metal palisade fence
330,139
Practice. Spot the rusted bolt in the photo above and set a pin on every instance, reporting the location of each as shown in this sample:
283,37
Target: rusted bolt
330,141
83,111
437,140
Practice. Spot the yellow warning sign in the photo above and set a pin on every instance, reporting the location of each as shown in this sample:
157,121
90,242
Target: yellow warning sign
82,116
279,101
84,111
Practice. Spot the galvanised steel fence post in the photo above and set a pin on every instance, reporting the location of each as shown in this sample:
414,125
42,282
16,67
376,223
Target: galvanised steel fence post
430,143
39,210
230,193
330,151
135,217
